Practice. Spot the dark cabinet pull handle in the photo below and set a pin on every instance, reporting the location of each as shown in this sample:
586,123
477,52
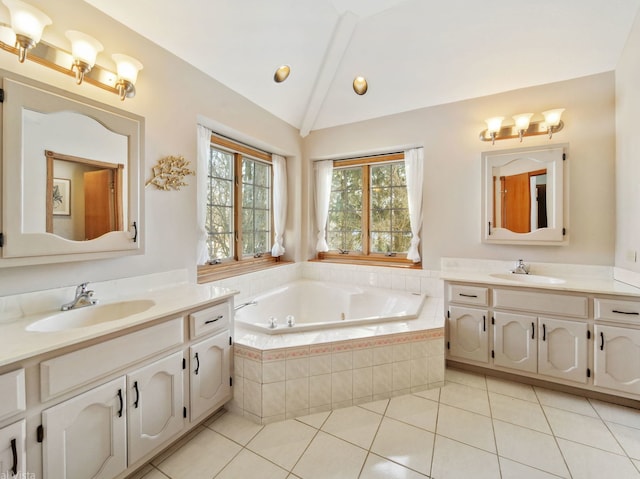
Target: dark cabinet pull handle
197,364
601,341
14,453
468,295
135,388
217,318
121,402
484,323
544,332
533,330
135,232
634,313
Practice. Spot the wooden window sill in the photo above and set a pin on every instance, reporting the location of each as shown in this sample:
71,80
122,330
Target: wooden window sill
386,261
215,272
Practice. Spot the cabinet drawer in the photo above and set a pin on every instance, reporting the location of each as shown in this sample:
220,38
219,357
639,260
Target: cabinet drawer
617,310
545,303
12,393
69,371
215,318
463,294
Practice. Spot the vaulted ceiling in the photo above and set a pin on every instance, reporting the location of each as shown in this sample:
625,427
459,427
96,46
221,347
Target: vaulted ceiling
413,53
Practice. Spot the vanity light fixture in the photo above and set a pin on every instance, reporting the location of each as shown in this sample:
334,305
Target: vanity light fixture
282,73
25,32
27,22
523,126
128,68
84,49
360,85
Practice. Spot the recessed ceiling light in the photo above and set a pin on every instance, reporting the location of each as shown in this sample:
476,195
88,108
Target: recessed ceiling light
360,85
281,74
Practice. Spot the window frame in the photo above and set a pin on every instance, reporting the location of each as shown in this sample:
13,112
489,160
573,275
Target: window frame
240,264
366,256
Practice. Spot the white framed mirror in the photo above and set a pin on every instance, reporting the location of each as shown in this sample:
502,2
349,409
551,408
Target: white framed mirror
71,180
523,196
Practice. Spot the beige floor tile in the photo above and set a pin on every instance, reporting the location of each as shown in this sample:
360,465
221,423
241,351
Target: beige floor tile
248,465
454,460
465,397
353,424
514,470
414,410
195,458
282,442
328,457
377,467
568,402
177,445
518,411
376,406
628,437
433,394
512,389
314,420
468,427
618,414
586,430
587,462
143,471
155,474
407,445
465,377
235,427
529,447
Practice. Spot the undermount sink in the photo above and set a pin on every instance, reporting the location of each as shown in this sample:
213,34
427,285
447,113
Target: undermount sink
90,315
528,278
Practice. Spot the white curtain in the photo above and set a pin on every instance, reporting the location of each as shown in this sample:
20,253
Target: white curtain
324,171
279,165
413,163
204,150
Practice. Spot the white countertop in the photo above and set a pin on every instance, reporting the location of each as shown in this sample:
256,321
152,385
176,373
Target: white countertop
582,284
16,343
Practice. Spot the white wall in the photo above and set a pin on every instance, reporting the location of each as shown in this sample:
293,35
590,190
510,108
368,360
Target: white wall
628,154
452,182
172,96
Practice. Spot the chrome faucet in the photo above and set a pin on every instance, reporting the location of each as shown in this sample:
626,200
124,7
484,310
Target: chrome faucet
83,298
521,268
244,305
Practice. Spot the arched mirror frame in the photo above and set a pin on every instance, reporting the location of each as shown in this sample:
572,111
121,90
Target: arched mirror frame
553,159
22,248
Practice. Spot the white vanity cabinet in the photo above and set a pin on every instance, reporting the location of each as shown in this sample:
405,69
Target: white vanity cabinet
13,450
562,349
86,436
515,344
155,400
468,336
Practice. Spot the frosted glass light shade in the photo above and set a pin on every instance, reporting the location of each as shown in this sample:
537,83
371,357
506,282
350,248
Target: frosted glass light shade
84,47
494,124
522,121
552,117
27,20
127,67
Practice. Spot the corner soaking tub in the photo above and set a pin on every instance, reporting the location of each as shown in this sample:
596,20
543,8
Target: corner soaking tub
305,305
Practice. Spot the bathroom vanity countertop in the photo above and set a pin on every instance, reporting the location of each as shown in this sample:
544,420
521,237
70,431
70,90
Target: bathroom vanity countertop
430,318
582,284
17,343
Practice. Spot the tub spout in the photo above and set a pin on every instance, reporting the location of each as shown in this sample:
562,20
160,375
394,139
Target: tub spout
242,305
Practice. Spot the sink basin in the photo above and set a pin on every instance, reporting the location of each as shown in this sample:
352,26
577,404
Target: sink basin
89,315
528,278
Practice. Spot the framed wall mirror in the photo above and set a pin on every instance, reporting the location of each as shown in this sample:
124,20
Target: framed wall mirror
71,177
523,200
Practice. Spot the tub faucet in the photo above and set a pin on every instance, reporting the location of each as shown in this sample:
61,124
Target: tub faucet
521,268
83,298
242,305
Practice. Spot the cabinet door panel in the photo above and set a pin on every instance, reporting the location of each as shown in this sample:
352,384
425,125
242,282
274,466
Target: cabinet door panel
210,374
85,436
515,342
562,349
468,337
155,411
13,450
617,358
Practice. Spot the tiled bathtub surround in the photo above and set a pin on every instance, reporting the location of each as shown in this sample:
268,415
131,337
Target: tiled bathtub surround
271,385
283,376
